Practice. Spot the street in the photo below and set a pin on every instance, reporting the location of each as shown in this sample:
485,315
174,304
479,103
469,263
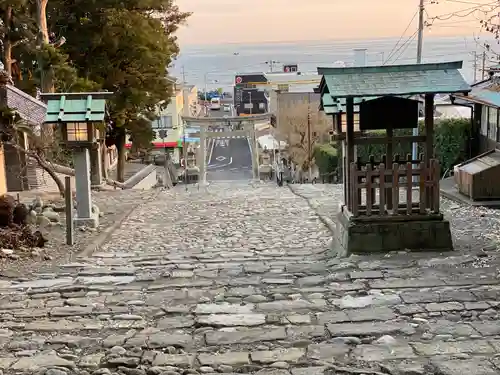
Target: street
239,279
228,159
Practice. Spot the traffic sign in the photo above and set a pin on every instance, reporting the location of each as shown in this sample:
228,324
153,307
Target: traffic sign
239,80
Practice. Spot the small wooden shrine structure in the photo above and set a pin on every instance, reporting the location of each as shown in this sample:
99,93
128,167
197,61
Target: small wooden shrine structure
382,209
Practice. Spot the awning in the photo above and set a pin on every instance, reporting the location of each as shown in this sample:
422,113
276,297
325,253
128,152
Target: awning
177,144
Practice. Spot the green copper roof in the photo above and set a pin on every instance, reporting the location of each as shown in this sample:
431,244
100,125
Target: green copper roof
75,107
335,105
393,80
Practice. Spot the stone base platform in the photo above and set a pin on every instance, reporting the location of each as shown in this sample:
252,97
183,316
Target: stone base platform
92,222
363,235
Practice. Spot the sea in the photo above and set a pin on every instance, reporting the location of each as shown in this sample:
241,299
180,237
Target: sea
215,66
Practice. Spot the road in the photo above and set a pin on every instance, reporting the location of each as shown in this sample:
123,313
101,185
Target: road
239,279
228,159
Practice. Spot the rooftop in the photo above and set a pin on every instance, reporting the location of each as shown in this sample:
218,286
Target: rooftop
393,80
484,92
75,107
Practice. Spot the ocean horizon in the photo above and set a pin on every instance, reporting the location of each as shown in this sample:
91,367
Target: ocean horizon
217,64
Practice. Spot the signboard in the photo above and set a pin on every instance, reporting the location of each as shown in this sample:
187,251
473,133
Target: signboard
238,80
248,105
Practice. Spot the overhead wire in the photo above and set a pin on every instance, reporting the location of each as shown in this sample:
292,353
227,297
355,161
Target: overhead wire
404,45
401,37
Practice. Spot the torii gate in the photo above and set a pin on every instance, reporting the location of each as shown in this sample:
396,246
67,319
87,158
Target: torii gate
233,127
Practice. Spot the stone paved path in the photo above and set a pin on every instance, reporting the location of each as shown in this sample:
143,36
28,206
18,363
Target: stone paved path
239,280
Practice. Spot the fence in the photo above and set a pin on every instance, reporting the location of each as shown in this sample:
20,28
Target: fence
369,182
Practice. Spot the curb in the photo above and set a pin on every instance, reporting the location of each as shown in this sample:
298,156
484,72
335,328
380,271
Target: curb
314,204
104,236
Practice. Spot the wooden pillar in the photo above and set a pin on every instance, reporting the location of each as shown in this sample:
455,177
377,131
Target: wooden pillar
429,128
349,147
337,122
388,165
429,143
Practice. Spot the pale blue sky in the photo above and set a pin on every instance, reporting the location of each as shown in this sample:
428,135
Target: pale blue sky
239,21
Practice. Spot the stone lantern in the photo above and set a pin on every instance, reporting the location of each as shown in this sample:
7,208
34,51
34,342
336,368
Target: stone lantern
80,117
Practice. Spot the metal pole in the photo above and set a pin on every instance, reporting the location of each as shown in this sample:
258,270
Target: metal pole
250,101
165,164
68,197
420,41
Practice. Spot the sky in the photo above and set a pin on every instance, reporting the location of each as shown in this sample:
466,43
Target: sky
257,21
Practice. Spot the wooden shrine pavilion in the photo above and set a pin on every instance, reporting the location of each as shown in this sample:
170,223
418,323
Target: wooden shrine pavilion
383,208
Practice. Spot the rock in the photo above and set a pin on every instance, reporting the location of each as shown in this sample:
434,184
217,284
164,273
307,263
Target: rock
55,371
206,369
117,350
51,215
7,251
32,218
43,221
37,202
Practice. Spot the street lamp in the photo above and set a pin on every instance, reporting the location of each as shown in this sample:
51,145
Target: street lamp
79,134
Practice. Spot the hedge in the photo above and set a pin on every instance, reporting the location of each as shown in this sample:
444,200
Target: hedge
326,157
451,138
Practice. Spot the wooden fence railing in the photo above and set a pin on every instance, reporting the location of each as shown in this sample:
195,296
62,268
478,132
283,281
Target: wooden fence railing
388,183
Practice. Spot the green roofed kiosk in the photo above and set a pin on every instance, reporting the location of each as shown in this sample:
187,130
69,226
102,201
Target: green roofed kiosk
382,209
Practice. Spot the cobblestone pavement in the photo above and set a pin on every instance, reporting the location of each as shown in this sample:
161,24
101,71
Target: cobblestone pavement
239,280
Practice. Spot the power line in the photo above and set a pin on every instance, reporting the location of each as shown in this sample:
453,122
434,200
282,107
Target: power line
470,10
401,37
405,44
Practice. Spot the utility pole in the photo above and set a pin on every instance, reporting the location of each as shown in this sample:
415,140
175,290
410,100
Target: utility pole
420,43
183,75
474,64
309,151
205,90
483,66
271,64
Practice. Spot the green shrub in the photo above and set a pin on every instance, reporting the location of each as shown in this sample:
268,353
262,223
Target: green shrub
326,157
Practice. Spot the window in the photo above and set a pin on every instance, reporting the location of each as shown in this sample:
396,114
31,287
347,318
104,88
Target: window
484,120
77,132
262,105
162,122
492,123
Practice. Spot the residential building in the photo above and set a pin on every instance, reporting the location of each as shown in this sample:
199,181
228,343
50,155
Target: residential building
484,99
252,91
17,171
184,102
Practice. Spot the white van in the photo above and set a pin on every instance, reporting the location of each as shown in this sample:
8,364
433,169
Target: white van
215,104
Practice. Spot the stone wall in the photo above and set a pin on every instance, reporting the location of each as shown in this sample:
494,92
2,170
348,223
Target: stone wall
39,179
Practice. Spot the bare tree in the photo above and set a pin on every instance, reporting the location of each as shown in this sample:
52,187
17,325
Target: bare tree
303,134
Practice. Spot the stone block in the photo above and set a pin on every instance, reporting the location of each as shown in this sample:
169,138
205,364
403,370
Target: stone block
377,236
